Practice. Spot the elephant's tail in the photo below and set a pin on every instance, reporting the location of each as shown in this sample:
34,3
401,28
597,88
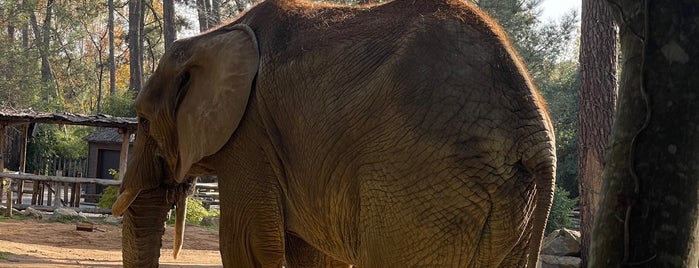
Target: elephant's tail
542,164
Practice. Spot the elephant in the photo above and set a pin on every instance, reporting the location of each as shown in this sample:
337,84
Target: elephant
404,134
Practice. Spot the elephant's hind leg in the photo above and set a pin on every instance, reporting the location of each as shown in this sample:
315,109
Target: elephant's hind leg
300,254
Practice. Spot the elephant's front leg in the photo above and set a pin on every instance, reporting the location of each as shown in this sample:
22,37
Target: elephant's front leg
300,254
252,226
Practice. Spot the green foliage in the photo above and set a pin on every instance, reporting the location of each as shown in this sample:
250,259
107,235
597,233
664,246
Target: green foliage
195,212
110,194
560,89
560,211
57,141
119,105
4,255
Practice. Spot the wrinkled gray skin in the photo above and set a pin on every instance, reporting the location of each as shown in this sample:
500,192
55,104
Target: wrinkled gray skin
401,135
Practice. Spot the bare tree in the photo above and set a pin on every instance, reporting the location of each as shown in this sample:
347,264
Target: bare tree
169,29
43,38
135,45
110,57
597,98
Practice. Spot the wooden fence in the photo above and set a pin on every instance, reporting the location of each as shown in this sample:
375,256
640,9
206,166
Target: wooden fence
60,190
68,167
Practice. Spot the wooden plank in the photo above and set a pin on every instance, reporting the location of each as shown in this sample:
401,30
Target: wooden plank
124,153
35,192
76,195
65,192
20,190
50,209
8,212
22,162
84,226
29,176
25,117
57,194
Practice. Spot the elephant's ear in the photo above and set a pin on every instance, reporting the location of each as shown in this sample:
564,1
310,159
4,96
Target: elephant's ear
220,77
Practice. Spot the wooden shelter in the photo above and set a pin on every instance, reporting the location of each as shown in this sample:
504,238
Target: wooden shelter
24,118
103,155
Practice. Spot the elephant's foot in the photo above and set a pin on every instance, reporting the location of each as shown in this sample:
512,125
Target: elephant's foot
301,254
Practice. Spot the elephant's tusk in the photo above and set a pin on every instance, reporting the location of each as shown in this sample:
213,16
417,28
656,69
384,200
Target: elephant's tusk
180,216
124,201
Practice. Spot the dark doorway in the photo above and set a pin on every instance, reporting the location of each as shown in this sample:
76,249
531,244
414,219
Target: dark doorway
106,160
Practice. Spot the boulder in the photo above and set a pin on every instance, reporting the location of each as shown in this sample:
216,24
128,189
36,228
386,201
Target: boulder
113,220
66,215
33,213
562,242
210,221
550,261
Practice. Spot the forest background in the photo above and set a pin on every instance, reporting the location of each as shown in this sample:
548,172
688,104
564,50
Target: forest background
91,57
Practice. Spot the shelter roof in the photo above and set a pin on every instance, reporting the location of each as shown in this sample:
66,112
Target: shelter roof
11,117
107,135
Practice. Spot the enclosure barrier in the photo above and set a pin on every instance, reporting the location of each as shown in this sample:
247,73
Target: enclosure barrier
54,184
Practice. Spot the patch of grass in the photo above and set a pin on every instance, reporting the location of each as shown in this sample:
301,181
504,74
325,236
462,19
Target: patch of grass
15,216
4,255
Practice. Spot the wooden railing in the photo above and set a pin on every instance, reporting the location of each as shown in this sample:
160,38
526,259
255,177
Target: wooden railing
53,185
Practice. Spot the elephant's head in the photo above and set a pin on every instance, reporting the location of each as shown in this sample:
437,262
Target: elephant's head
187,111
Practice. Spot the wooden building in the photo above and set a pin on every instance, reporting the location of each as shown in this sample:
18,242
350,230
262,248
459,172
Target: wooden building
17,178
104,150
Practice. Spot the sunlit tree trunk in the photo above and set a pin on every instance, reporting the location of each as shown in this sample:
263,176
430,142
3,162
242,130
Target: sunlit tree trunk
169,30
203,15
649,208
597,97
215,12
110,59
135,45
43,38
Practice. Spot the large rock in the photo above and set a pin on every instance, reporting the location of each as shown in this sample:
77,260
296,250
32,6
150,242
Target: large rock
113,220
31,212
562,242
549,261
66,215
212,221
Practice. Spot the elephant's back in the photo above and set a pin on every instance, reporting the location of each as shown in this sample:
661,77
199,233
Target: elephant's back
396,101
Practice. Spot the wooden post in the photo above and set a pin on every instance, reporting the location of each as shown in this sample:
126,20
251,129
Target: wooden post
57,190
8,213
35,193
65,192
57,194
49,193
126,138
22,162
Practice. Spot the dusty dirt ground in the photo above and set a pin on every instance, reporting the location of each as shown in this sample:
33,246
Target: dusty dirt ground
34,243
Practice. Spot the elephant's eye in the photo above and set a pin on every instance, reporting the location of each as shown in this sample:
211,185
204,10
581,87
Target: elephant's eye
145,124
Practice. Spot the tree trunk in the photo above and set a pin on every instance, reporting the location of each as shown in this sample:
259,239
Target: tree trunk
649,208
169,31
135,45
597,97
43,38
110,59
203,11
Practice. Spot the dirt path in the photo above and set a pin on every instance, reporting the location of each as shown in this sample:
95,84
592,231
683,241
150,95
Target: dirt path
33,243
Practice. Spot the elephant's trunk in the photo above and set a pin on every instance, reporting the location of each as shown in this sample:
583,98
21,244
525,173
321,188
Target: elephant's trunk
144,226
